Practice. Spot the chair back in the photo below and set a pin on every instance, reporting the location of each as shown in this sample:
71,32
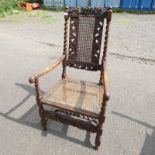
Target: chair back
83,37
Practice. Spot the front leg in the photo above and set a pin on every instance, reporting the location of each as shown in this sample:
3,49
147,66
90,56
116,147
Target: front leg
99,133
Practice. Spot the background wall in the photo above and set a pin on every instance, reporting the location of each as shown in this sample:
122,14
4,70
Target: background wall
123,4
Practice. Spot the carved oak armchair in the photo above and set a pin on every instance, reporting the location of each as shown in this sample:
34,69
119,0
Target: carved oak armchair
79,103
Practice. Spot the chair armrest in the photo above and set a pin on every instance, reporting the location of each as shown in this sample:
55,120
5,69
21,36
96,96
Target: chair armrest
105,82
46,70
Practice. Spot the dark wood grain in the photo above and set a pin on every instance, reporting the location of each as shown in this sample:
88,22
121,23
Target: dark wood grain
67,114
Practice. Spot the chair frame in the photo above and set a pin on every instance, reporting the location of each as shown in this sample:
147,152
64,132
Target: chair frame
86,123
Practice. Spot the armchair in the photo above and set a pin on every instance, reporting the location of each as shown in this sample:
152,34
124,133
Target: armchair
79,103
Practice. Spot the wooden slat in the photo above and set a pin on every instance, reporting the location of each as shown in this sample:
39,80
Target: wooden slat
66,119
70,108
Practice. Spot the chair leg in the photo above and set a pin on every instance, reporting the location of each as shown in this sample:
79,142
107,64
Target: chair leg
99,132
44,123
98,138
43,119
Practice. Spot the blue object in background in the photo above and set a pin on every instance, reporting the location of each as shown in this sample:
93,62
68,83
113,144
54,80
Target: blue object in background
71,3
97,3
130,4
145,4
58,3
83,3
135,4
113,3
123,4
49,3
153,5
53,3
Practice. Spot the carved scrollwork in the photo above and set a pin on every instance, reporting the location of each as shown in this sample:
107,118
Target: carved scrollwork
73,38
97,39
77,116
74,12
76,38
85,66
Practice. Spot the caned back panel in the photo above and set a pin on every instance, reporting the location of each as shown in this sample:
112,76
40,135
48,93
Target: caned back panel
85,39
85,36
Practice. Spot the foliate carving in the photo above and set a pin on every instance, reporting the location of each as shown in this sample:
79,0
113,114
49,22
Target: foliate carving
73,38
74,12
97,40
82,65
75,119
84,50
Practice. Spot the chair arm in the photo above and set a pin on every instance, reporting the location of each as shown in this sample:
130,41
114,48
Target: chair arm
46,70
105,82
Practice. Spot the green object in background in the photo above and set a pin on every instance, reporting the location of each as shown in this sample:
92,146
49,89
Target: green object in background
6,6
123,21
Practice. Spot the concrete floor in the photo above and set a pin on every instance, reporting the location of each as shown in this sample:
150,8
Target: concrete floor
29,45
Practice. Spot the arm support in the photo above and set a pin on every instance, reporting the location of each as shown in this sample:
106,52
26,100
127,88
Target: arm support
46,70
105,81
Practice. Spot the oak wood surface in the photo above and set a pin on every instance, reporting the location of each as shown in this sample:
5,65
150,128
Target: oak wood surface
71,115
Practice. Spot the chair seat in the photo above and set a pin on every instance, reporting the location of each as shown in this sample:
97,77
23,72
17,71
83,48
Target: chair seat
75,96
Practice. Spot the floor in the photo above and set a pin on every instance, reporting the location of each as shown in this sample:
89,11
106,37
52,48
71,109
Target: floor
31,42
